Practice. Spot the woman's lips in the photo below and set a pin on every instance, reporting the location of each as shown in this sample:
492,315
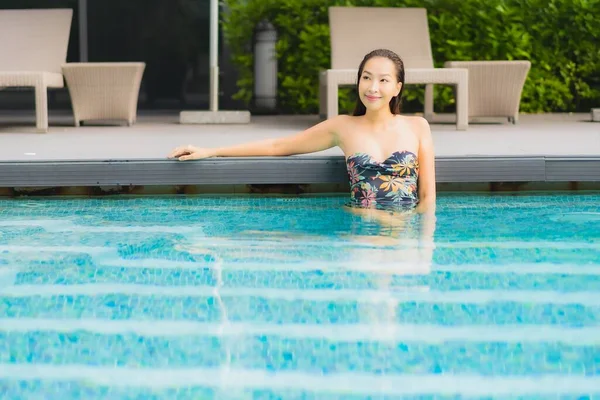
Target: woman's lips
372,98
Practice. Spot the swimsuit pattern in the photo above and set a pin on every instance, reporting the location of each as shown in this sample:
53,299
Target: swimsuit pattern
389,184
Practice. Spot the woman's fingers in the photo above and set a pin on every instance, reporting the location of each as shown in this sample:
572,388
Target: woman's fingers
187,157
176,153
179,151
189,153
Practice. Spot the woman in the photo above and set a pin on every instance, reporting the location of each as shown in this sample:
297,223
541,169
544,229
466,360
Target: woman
390,158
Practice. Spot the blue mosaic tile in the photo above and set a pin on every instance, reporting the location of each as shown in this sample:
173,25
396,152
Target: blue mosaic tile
37,389
269,286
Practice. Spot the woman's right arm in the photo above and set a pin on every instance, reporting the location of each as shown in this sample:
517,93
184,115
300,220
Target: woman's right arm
319,137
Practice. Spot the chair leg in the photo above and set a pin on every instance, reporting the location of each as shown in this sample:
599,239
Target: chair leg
462,106
332,99
41,108
322,97
429,102
78,121
130,118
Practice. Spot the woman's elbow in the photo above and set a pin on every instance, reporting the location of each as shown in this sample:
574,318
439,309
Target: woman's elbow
427,196
426,202
277,147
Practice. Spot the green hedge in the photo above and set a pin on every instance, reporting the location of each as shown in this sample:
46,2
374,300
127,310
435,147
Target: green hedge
559,37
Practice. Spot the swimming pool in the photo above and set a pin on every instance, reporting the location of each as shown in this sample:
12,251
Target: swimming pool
281,297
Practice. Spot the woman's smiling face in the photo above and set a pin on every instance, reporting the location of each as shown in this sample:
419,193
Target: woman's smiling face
378,83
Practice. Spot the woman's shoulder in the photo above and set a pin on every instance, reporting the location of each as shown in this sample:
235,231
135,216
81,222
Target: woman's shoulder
418,124
342,120
344,124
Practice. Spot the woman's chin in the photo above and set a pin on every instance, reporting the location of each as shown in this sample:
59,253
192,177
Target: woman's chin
374,107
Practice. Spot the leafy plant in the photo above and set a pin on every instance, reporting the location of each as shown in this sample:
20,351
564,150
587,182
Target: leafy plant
559,37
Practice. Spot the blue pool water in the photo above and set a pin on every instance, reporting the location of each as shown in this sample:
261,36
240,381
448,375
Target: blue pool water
246,297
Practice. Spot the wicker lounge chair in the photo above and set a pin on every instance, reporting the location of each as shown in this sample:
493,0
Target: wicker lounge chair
495,87
104,90
33,46
402,30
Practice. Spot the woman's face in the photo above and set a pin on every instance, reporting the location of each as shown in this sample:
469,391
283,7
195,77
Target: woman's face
378,83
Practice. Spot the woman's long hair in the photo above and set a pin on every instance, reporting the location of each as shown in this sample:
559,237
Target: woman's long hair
395,102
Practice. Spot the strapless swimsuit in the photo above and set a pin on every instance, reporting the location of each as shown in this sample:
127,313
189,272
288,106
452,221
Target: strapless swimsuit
390,184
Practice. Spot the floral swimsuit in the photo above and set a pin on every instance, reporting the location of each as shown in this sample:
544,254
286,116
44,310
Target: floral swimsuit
390,184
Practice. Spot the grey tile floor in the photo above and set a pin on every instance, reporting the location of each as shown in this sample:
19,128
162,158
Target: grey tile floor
155,134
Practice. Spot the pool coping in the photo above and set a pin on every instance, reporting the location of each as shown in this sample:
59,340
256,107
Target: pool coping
283,170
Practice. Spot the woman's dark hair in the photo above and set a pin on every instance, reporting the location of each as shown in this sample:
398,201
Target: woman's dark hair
395,102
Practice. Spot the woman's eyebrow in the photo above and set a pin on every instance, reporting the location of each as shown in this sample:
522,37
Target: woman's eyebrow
367,72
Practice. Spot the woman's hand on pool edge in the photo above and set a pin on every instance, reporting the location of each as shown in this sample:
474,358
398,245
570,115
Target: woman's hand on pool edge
190,152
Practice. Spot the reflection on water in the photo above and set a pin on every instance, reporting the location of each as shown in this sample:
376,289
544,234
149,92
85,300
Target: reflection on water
379,244
372,240
405,239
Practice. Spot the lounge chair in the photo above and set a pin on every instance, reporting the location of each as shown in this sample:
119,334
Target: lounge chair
104,90
33,46
355,31
495,87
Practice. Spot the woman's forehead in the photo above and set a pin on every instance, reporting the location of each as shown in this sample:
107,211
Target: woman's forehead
380,66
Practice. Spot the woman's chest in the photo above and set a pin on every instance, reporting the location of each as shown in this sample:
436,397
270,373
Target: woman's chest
379,145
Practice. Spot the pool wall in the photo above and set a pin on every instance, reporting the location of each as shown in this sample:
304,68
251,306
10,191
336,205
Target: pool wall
289,175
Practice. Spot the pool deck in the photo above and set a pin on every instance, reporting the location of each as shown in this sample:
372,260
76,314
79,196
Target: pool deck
540,148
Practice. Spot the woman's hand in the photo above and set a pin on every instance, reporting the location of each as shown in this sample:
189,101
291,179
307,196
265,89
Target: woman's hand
190,152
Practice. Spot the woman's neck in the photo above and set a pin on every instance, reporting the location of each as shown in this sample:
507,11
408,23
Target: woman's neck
380,118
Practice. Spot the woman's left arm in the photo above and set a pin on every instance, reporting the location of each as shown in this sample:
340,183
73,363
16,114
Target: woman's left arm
426,184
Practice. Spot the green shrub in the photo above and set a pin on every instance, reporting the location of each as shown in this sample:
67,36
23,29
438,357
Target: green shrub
559,37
